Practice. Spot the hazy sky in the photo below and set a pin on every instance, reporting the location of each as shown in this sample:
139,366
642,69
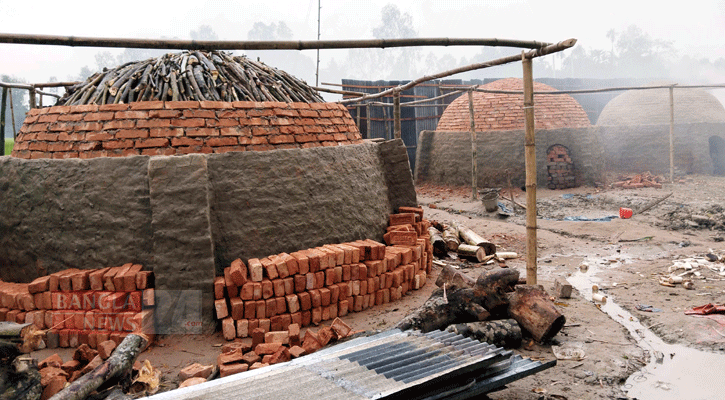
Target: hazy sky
696,28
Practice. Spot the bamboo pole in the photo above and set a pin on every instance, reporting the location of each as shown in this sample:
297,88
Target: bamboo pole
396,116
12,114
74,41
358,110
367,121
672,134
31,93
474,153
530,155
3,104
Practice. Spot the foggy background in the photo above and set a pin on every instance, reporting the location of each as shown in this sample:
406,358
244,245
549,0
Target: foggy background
644,40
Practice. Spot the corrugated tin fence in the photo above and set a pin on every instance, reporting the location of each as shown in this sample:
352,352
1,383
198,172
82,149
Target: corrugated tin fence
377,121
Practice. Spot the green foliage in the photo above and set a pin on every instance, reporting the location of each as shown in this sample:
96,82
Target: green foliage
8,146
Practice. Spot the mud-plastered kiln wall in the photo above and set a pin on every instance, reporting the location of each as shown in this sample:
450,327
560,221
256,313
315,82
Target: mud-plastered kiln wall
445,157
187,217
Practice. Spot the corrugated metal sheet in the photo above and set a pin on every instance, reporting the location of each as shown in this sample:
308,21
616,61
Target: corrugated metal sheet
389,365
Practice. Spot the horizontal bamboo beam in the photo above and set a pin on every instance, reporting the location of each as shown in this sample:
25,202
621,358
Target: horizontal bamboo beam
601,90
28,87
74,41
563,45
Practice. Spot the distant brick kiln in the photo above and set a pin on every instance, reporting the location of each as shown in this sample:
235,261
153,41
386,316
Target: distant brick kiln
568,152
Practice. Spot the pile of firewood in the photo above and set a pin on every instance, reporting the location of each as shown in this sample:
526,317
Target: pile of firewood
459,239
493,308
639,181
190,75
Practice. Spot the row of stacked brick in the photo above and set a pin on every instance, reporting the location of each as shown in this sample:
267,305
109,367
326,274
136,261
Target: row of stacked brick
318,284
83,306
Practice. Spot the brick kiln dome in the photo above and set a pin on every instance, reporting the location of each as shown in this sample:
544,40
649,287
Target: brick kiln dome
652,107
219,104
500,112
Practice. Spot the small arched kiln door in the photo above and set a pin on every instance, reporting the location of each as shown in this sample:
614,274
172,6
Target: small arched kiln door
560,168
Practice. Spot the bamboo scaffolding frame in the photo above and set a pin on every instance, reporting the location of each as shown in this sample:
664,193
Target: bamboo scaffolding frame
554,48
73,41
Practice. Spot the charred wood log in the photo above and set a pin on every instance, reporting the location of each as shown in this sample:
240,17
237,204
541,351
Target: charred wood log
504,333
439,245
532,308
20,379
454,279
485,298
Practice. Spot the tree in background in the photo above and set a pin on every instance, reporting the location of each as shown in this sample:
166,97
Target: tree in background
20,106
392,63
293,62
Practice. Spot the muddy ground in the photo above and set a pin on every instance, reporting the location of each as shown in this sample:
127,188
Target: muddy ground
624,257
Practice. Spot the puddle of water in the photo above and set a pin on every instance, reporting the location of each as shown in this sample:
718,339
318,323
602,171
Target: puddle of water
678,373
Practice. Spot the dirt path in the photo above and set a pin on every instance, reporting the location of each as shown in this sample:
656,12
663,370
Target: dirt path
624,257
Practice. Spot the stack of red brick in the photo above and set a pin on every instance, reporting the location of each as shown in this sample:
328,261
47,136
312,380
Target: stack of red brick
310,286
273,347
83,306
55,374
560,168
640,181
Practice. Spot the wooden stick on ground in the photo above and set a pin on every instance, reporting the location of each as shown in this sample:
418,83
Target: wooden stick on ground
653,203
118,364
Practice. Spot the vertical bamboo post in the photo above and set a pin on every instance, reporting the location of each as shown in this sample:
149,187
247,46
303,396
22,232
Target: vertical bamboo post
3,103
358,110
398,133
672,134
12,114
367,120
31,93
530,155
474,151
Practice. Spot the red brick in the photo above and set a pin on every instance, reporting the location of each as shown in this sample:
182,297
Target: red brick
188,122
300,283
219,288
105,348
242,328
132,134
164,114
229,329
147,105
153,142
271,307
267,348
144,279
185,141
220,306
278,285
267,289
98,116
222,141
39,285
